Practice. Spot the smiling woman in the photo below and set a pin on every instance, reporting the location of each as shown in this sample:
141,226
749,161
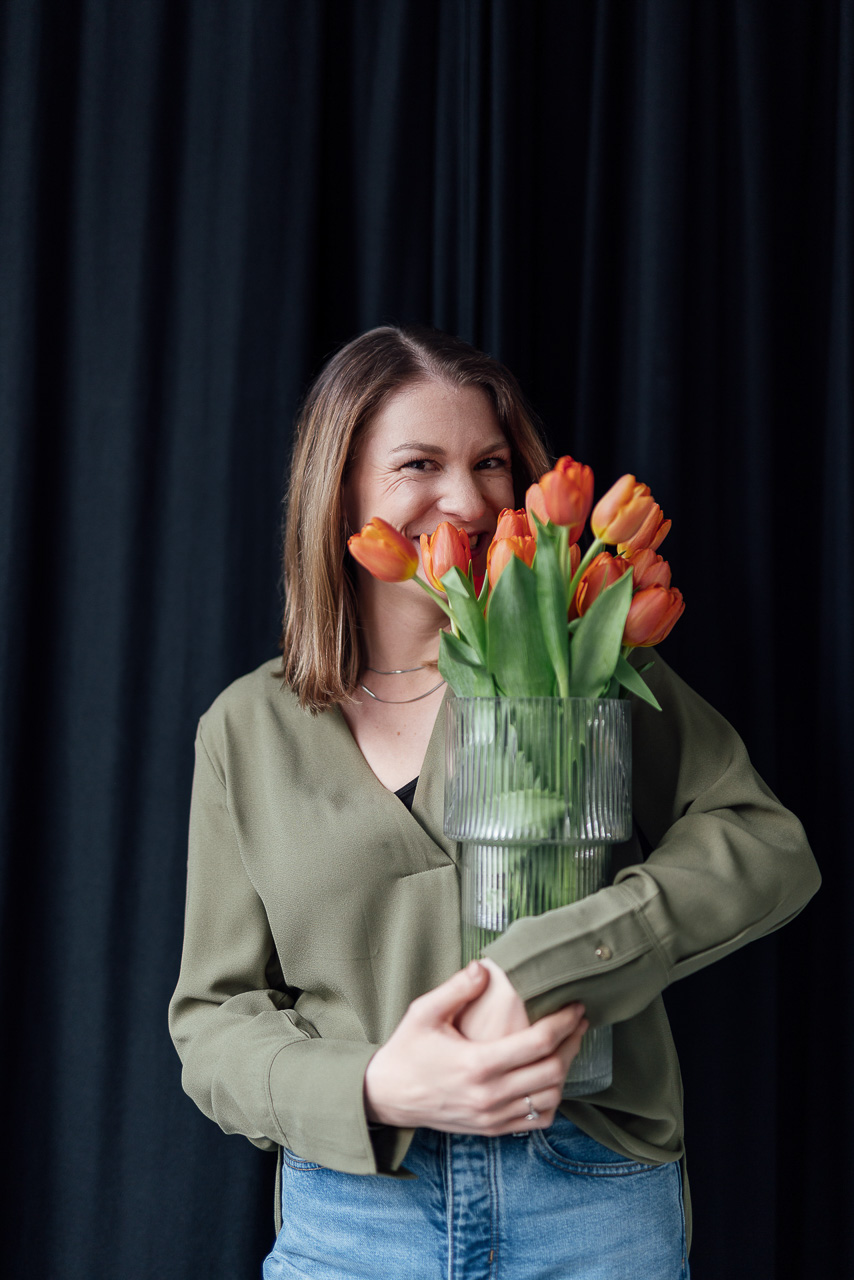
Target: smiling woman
429,423
433,455
320,1008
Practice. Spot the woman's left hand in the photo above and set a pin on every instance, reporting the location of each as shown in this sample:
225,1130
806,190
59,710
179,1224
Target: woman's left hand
497,1012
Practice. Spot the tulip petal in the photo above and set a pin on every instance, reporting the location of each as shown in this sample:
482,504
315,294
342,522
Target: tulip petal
383,551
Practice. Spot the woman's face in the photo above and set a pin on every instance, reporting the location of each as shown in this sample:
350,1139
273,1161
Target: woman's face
433,452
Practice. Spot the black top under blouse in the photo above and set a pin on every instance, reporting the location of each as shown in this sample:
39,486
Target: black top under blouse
407,793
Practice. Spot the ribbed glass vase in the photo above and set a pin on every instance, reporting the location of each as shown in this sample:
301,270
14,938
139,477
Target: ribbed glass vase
537,790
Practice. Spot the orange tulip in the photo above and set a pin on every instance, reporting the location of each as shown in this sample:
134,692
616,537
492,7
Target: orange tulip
535,505
652,615
568,494
383,551
598,575
443,549
574,560
512,524
621,512
651,534
502,550
649,569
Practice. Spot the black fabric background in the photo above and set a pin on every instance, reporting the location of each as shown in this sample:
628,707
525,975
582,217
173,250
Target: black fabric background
644,207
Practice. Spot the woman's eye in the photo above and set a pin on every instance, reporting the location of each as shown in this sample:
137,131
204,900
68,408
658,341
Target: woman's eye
493,464
418,464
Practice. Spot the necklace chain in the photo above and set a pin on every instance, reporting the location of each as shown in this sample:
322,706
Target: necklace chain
418,698
398,671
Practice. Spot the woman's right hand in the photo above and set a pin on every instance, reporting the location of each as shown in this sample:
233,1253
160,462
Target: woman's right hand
430,1074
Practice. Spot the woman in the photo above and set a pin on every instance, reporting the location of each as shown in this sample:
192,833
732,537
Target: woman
319,1007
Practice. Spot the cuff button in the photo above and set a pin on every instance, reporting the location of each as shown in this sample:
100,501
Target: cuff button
603,953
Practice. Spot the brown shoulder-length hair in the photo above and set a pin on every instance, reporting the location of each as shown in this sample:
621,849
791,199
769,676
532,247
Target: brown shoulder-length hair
320,635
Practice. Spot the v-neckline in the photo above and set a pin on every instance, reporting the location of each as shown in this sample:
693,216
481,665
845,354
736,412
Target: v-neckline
428,753
428,802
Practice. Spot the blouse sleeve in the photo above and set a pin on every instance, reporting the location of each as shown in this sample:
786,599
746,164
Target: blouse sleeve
250,1062
729,864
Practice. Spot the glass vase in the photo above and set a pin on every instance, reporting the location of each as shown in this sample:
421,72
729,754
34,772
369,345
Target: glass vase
537,790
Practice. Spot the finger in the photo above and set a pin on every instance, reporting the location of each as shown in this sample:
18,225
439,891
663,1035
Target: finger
446,1001
570,1048
546,1073
521,1048
534,1111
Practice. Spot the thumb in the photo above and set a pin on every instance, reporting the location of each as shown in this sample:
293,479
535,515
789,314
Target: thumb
444,1002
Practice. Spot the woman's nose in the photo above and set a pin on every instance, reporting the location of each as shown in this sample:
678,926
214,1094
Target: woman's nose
462,498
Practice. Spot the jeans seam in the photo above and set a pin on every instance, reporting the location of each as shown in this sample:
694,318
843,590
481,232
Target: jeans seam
447,1165
493,1207
593,1169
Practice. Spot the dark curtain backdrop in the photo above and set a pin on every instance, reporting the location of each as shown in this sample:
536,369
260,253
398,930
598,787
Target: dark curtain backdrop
644,207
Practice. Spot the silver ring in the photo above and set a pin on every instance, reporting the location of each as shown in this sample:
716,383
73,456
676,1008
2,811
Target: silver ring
533,1113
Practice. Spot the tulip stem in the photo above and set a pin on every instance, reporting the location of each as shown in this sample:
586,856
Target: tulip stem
440,600
591,553
563,550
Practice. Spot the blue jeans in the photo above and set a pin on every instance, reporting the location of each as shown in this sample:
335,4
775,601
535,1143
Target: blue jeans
552,1203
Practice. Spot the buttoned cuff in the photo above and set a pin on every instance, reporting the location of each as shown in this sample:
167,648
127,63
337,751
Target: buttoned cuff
599,950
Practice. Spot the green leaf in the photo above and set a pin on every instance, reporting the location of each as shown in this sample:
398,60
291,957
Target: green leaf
467,613
460,666
551,600
630,678
516,652
595,646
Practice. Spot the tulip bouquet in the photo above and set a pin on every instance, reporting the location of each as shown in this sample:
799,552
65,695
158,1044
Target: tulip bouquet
538,777
546,621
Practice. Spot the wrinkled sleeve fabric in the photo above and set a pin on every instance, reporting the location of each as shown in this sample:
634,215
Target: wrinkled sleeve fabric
250,1062
728,864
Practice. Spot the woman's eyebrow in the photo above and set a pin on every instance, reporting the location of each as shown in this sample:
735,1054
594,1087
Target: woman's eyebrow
416,446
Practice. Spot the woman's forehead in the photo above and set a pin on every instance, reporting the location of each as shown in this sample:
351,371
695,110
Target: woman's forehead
433,412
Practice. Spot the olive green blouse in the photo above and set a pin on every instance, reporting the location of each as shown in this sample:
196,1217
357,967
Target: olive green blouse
318,907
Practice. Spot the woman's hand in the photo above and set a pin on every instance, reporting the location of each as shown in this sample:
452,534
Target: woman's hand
497,1011
429,1073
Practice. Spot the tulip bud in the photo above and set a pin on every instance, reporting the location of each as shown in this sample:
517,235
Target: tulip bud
651,534
535,505
622,511
598,575
649,570
383,551
568,495
652,615
443,549
512,524
501,552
